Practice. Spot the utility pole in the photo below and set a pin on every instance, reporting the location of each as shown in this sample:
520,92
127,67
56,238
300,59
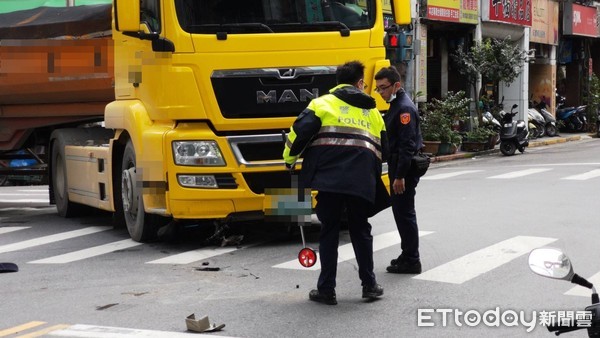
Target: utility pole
70,3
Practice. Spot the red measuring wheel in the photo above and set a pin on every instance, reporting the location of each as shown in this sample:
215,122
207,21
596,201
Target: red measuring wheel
307,257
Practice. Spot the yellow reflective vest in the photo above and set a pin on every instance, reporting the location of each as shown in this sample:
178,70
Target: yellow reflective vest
343,140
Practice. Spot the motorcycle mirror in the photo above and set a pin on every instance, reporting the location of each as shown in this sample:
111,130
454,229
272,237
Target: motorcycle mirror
551,263
515,106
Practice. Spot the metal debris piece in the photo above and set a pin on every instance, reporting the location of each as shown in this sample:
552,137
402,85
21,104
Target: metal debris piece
201,325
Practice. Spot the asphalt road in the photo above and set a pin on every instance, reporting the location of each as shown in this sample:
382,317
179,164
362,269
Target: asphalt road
479,218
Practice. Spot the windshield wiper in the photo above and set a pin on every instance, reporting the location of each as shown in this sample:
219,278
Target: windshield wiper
223,29
257,25
344,30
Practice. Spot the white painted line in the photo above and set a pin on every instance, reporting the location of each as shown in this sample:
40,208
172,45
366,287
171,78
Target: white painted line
29,200
346,252
88,253
448,175
6,230
27,193
481,261
51,238
92,331
584,176
582,291
193,256
521,173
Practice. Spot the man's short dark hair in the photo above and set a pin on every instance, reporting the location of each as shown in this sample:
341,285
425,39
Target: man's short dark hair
390,73
350,72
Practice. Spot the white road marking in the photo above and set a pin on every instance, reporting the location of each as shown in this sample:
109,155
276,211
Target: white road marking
6,230
92,331
51,238
481,261
582,291
29,200
346,252
88,253
520,173
448,175
584,176
193,256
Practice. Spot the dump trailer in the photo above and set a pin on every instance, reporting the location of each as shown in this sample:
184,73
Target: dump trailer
56,70
202,92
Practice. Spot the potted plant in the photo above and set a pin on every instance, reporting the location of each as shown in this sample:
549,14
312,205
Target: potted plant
440,117
479,139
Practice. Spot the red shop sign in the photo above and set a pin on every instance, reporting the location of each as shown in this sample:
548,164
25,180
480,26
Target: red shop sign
580,20
516,12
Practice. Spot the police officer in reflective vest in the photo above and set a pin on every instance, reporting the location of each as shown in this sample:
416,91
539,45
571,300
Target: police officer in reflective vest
405,140
343,138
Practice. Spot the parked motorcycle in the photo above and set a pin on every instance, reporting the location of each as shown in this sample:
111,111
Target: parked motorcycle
574,118
550,121
514,134
538,122
553,263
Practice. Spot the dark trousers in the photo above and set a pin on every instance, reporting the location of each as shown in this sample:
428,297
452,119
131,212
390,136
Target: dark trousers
403,207
329,211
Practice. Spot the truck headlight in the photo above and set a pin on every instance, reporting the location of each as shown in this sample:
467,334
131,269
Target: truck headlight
197,153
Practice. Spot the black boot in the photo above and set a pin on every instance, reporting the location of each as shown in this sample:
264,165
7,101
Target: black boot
372,291
321,297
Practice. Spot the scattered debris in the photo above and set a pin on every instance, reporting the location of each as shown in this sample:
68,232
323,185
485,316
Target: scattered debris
104,307
232,240
8,267
201,325
137,294
205,263
210,268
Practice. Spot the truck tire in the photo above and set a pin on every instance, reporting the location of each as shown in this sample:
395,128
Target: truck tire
142,227
64,207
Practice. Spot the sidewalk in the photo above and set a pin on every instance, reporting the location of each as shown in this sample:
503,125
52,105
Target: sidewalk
532,144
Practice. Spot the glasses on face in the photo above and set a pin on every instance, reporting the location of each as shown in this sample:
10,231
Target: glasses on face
381,89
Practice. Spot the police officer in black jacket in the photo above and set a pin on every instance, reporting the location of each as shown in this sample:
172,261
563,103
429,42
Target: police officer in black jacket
405,140
343,138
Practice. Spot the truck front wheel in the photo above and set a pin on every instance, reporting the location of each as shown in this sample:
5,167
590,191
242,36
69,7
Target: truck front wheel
142,227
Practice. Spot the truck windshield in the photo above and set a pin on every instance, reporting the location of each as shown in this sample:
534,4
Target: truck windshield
274,16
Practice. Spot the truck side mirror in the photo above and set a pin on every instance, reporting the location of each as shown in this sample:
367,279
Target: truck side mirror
127,13
402,15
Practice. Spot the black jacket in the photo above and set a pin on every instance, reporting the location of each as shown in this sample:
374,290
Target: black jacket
404,134
349,170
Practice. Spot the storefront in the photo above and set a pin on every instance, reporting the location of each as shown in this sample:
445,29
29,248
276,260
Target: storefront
575,57
442,27
543,38
509,19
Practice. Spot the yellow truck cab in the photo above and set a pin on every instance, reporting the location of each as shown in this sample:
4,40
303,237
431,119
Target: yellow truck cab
203,90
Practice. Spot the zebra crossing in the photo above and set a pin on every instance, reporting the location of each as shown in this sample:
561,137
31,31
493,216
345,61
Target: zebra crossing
456,271
43,329
581,175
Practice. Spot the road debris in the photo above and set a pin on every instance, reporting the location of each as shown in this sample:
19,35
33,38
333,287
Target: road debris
201,325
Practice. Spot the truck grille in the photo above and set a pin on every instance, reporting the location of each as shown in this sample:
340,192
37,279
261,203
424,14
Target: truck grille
257,150
270,92
259,181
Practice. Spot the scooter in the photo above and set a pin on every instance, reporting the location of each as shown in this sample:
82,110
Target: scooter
514,134
573,118
550,121
538,121
553,263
